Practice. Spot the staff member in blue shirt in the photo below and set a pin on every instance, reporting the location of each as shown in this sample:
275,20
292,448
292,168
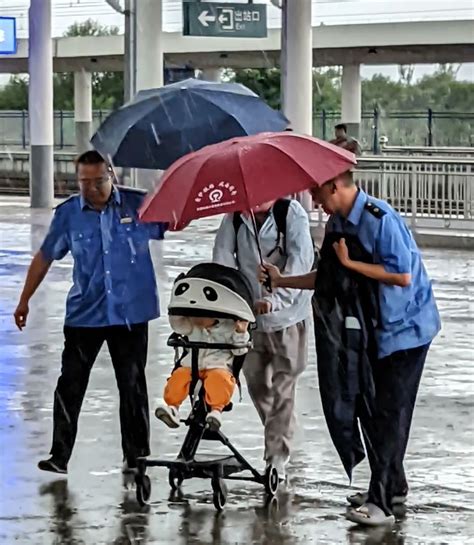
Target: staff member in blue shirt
112,298
409,321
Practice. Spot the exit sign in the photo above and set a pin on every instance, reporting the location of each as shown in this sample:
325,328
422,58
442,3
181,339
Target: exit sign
223,20
7,35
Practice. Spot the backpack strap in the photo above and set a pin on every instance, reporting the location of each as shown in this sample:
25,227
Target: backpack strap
280,213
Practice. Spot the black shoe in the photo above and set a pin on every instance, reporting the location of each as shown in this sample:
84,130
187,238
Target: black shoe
54,465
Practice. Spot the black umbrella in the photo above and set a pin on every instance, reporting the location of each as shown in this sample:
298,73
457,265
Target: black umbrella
161,125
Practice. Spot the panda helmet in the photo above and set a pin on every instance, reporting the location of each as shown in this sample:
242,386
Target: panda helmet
212,290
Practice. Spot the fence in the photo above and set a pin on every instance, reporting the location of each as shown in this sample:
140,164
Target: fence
428,128
418,128
423,189
431,192
14,128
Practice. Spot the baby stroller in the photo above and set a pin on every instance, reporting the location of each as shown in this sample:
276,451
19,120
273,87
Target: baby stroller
207,290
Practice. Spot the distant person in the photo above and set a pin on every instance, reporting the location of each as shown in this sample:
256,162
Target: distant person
343,140
113,297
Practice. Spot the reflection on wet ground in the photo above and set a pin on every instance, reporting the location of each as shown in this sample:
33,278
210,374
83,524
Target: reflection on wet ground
91,507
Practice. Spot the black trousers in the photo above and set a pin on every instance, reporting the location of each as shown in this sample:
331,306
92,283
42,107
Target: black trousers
387,428
128,350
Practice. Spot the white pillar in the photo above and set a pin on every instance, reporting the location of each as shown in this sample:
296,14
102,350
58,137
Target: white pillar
211,74
83,109
149,44
351,106
149,64
298,77
299,65
40,104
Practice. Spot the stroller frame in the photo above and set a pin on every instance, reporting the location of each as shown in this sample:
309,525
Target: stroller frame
185,466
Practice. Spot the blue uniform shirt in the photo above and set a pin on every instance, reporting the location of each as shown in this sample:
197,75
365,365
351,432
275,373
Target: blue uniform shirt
408,316
113,277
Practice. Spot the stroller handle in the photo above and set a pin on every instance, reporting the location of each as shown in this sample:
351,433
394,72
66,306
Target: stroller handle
179,341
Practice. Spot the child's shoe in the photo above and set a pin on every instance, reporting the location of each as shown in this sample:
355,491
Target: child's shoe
169,415
214,420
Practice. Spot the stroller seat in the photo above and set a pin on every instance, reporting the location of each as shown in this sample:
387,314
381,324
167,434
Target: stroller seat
230,296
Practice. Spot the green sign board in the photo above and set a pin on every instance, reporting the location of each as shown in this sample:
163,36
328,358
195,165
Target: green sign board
225,20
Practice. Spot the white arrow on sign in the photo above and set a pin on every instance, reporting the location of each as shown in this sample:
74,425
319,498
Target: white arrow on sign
204,18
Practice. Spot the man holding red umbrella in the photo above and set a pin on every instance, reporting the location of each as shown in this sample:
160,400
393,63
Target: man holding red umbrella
279,353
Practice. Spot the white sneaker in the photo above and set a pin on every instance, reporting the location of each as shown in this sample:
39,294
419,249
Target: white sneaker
214,420
279,463
169,415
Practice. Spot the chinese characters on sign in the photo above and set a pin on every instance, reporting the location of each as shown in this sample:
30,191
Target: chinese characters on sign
225,20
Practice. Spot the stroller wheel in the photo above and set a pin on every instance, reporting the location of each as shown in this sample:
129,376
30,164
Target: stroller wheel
143,484
175,479
219,496
271,480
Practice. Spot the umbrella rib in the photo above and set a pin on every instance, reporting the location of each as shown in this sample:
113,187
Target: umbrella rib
207,99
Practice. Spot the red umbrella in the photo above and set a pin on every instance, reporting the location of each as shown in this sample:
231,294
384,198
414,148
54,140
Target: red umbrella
239,174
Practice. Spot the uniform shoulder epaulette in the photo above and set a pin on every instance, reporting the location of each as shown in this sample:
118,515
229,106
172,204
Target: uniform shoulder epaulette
69,199
374,210
128,189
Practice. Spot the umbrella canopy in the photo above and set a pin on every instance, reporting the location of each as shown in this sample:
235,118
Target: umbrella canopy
161,125
242,173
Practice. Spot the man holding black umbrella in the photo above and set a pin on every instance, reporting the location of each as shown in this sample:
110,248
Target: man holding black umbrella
113,297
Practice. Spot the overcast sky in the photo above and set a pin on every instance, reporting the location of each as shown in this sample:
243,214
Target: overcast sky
325,12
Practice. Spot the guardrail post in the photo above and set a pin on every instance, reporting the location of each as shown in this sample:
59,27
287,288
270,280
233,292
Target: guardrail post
23,129
375,145
323,123
468,194
383,185
61,129
414,194
430,127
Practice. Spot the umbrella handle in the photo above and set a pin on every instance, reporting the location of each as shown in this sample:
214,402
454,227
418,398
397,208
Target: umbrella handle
268,282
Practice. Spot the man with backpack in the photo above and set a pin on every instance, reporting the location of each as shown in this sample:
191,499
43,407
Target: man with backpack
279,353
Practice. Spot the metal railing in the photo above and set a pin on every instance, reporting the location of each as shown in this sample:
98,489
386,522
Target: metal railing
434,191
429,191
427,151
424,127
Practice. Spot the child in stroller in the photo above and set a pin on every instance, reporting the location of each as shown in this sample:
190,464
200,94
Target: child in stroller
207,308
210,312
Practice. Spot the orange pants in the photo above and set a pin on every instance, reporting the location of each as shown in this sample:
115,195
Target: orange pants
218,384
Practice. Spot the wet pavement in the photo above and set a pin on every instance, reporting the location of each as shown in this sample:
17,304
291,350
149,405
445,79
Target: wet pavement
92,507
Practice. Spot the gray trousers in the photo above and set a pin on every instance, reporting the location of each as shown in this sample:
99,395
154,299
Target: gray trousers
271,370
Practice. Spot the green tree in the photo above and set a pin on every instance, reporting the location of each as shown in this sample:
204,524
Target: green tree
107,87
266,83
14,95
